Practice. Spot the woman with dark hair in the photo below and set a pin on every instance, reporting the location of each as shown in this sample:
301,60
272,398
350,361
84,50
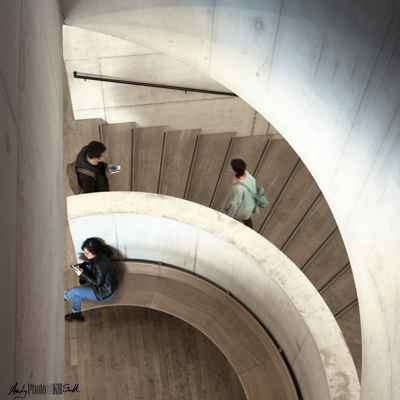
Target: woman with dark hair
97,276
240,203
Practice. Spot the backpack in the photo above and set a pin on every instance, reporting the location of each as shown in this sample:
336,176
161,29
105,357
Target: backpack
73,177
259,198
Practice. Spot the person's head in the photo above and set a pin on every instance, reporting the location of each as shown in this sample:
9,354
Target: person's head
93,247
96,151
238,166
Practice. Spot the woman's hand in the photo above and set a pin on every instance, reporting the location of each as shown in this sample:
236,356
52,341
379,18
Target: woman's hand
78,270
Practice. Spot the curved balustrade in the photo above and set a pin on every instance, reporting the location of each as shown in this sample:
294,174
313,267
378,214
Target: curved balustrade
243,341
177,232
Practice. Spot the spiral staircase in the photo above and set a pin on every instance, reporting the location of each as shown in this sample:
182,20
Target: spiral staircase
192,166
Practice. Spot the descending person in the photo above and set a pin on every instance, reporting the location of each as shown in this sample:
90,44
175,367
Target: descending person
240,203
91,158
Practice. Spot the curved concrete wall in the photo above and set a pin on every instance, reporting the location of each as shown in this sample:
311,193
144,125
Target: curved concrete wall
326,74
31,205
161,228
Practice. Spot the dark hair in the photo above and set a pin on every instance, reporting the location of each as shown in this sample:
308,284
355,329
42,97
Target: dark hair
95,149
239,166
96,247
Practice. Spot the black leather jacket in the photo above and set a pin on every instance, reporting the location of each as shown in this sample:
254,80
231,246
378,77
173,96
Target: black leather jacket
100,272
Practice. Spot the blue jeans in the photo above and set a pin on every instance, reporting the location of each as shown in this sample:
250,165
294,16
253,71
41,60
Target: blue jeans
78,293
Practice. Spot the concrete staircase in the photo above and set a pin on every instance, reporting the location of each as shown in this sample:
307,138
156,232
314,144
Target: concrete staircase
188,165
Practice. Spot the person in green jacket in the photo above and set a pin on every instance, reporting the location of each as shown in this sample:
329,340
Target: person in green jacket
240,203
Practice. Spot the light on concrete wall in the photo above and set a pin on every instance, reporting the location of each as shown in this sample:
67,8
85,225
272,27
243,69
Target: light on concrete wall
95,53
335,69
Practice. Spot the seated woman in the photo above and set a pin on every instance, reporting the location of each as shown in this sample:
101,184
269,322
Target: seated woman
98,277
240,203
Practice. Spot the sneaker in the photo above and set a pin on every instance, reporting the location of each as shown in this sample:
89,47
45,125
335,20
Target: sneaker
75,317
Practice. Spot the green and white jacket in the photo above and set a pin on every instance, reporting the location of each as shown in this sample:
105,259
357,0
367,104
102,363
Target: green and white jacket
240,203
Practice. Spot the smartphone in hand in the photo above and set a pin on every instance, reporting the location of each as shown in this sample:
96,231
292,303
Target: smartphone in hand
116,169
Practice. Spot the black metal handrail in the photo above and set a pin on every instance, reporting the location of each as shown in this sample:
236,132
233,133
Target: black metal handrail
93,77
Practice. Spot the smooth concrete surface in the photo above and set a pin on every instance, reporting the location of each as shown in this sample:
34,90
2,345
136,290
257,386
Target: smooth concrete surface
8,232
327,76
162,228
95,53
31,238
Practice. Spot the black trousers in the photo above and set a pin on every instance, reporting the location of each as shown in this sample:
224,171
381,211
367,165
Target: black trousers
248,222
